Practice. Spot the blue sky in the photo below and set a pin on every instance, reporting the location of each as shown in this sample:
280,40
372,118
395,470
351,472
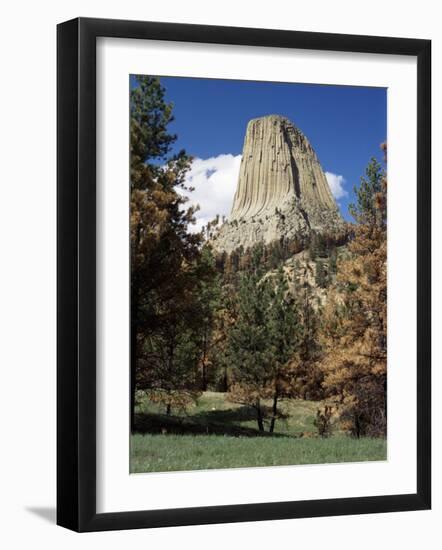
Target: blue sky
345,125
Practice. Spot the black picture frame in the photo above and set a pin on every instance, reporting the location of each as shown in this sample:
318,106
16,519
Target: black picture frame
76,274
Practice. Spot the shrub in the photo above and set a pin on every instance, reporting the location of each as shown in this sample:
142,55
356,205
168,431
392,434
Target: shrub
323,421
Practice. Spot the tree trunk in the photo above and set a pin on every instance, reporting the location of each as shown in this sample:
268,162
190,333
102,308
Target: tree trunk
225,381
133,355
203,377
134,322
259,417
203,364
168,409
274,412
357,427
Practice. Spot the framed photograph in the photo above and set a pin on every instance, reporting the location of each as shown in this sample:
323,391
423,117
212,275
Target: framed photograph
243,274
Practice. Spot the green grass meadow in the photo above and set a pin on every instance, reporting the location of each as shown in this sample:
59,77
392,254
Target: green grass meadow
216,433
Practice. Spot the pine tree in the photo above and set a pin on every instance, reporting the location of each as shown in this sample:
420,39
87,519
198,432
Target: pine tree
170,359
321,274
285,338
308,381
248,349
317,246
262,342
355,319
163,252
208,305
370,207
332,262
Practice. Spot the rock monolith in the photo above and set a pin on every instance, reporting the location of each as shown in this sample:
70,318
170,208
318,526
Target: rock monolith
282,191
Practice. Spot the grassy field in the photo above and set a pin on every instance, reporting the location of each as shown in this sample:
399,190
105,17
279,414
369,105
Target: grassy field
216,433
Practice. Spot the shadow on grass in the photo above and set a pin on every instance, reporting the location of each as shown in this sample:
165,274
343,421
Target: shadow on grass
226,416
221,422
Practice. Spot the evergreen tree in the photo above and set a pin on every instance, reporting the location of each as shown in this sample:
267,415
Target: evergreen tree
370,206
262,342
163,252
355,319
170,357
308,382
321,274
332,262
317,246
248,350
285,337
208,305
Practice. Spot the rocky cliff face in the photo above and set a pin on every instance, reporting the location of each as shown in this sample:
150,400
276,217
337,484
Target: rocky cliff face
282,190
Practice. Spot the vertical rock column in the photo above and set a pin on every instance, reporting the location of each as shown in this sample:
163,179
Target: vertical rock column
278,165
282,191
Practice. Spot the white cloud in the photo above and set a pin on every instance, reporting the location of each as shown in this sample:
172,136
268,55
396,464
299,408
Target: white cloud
336,183
214,180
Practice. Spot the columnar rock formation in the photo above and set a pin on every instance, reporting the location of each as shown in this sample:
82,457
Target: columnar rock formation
282,190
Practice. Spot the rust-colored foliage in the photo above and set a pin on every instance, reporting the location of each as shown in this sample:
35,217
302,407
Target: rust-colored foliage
355,325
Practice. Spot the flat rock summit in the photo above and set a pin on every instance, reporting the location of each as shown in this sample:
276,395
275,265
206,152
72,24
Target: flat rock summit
282,191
